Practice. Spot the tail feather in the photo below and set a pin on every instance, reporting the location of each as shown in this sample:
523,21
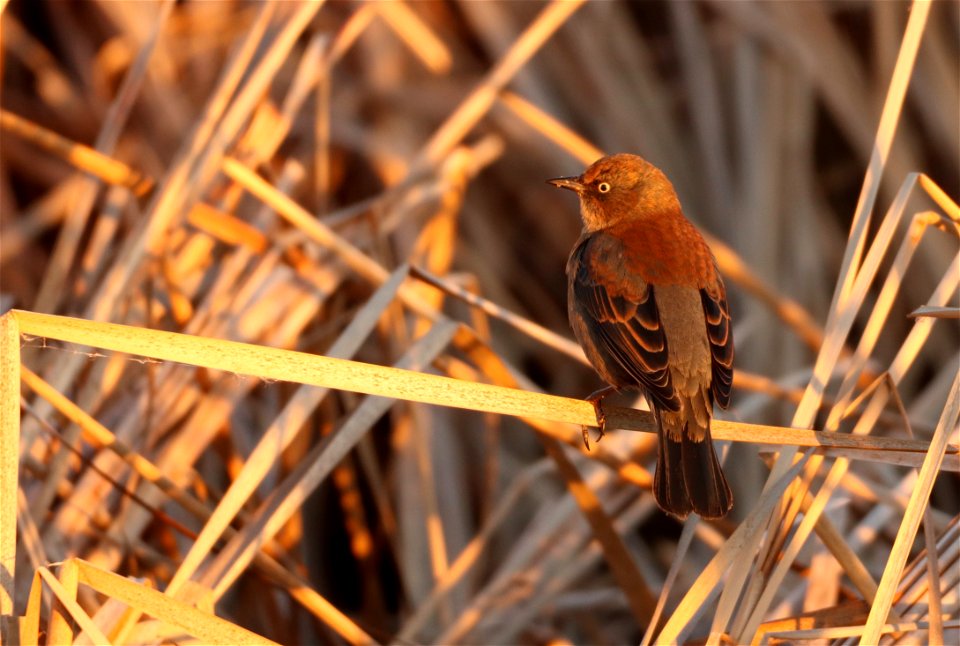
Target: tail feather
709,492
689,478
668,481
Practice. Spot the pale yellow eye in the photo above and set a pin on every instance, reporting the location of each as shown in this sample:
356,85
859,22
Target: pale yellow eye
603,187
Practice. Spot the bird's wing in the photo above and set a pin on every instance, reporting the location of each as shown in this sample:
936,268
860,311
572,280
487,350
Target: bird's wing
622,318
721,341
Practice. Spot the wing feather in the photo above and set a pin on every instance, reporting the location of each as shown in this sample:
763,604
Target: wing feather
622,320
720,335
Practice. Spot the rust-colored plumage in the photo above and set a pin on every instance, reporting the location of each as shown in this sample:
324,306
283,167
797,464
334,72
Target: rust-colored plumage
650,310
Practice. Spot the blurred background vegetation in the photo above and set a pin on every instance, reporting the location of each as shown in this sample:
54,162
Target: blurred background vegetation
763,114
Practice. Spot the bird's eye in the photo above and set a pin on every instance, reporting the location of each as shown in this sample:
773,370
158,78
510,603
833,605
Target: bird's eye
603,187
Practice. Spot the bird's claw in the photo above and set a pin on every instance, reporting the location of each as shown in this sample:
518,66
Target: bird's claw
597,400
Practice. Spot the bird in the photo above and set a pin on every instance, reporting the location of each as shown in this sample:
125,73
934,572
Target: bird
648,306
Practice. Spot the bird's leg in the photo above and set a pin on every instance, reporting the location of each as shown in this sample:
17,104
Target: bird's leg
596,398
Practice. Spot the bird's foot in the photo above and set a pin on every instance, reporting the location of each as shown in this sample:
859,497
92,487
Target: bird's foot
596,398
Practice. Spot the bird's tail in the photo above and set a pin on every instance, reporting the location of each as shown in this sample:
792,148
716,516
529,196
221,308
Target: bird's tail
688,476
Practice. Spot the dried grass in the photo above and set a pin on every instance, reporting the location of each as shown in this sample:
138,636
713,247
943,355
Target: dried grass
289,360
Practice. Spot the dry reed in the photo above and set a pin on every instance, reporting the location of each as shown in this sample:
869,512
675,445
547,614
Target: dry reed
284,352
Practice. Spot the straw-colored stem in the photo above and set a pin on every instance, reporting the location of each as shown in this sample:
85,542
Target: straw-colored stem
912,517
288,365
742,540
60,631
483,96
69,602
625,571
207,627
9,462
934,596
318,464
66,248
79,155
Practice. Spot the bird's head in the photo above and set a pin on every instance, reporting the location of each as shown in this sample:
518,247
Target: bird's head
621,187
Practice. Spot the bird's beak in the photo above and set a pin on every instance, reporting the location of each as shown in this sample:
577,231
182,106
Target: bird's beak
572,183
